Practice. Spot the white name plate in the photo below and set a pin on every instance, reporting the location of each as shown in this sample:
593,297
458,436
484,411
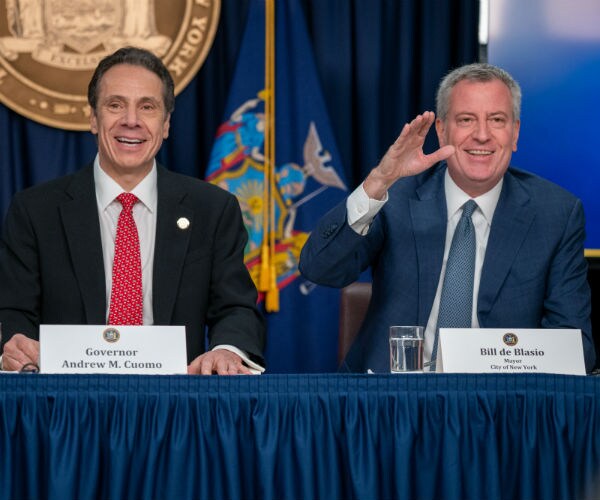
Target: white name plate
497,350
152,350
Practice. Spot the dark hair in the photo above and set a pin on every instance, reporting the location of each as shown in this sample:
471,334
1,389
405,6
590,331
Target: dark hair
477,72
136,57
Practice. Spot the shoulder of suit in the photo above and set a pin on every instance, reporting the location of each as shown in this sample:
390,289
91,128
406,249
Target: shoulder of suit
47,190
194,185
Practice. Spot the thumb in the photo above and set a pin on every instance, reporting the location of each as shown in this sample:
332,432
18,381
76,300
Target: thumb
441,154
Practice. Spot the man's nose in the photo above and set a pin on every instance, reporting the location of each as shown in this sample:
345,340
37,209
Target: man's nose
130,116
481,131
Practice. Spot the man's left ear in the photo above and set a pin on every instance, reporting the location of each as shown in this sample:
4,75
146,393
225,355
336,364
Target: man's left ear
440,128
93,122
166,126
516,135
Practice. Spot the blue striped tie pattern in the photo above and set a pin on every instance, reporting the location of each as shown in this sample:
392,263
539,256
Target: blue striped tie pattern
456,302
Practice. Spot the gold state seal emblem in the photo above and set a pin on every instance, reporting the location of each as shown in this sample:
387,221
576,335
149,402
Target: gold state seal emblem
49,48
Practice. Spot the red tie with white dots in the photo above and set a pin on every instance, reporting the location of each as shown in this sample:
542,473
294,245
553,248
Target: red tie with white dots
126,299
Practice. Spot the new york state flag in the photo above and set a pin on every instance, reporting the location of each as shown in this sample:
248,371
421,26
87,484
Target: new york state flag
282,117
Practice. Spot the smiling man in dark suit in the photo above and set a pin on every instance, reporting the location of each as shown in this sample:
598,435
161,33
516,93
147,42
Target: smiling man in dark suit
56,258
528,266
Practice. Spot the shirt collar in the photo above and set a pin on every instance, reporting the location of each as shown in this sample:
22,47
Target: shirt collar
107,189
456,198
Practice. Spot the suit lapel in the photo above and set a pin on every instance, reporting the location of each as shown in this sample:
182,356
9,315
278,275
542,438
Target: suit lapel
511,223
82,230
171,245
428,214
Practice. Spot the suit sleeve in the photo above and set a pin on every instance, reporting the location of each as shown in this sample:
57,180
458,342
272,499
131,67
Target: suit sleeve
233,317
19,275
568,299
334,254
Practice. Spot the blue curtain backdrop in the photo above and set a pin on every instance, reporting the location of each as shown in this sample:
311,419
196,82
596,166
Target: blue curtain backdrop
379,62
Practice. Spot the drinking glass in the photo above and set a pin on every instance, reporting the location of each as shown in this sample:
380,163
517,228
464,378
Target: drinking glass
406,349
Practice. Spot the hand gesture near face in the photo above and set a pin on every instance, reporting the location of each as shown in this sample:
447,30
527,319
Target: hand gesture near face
405,157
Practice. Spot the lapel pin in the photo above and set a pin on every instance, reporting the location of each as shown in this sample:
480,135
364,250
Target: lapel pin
183,223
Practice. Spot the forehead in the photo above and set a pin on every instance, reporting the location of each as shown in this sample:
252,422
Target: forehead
133,81
473,96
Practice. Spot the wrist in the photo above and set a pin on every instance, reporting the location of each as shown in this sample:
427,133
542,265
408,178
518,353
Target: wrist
376,185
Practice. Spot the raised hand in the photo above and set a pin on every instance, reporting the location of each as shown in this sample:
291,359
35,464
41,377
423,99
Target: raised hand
405,157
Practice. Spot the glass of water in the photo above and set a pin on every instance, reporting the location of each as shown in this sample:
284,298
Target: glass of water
406,349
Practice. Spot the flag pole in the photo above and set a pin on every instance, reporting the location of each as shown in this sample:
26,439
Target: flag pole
264,280
272,294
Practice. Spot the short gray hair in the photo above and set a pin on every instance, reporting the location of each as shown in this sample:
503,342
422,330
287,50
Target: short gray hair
477,72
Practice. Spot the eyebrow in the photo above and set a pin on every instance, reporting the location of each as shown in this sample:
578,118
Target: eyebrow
471,113
123,98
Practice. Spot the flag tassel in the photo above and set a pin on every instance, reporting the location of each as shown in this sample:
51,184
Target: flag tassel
272,298
264,281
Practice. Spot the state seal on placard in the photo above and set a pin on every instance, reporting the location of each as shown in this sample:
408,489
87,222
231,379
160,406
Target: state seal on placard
111,335
49,48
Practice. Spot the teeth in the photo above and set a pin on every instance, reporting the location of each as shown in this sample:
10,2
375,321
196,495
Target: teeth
129,141
479,152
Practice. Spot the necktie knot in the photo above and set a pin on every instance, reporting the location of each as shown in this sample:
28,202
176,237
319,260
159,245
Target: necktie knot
127,200
468,208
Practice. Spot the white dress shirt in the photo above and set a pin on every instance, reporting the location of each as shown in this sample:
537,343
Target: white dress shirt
362,210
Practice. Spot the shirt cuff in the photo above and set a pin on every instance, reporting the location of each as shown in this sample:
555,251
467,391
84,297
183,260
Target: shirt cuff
254,368
362,210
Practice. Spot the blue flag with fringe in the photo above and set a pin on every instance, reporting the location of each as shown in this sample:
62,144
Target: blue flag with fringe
276,152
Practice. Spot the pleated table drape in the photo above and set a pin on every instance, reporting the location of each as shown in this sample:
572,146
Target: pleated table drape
299,436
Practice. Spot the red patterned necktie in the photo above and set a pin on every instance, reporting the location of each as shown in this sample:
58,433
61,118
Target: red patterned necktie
126,300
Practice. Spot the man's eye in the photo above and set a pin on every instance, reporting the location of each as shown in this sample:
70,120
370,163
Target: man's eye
497,121
465,121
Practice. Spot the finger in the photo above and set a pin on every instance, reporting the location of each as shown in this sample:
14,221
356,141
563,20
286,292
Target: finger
425,123
221,366
403,133
238,368
244,370
10,364
15,360
194,367
206,366
30,348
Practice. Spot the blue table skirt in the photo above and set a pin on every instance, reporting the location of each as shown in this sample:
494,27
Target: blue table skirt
299,437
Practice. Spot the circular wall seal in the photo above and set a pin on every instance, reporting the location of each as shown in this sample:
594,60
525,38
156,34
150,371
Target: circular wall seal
49,48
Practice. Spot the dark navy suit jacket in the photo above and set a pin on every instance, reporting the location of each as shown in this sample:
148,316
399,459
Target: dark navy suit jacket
534,273
52,271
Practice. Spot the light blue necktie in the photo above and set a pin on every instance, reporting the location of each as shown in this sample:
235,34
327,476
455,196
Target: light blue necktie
456,302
